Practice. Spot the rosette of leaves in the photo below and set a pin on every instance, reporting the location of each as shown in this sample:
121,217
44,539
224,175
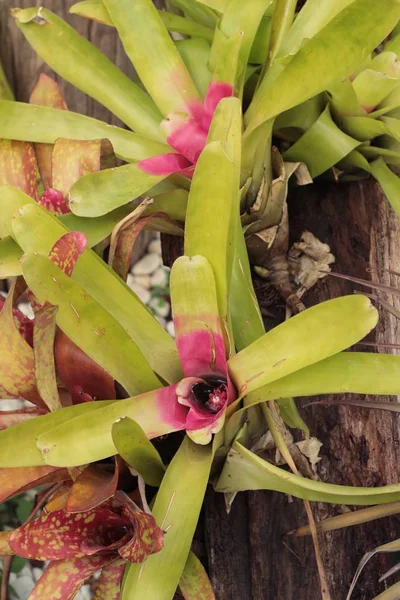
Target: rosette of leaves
290,68
222,383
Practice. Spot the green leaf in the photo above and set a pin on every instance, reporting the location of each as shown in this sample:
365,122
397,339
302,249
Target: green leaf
282,20
36,230
347,372
313,16
99,193
322,146
96,229
20,121
244,470
291,416
137,451
92,9
238,20
10,255
389,182
89,325
153,54
247,322
84,440
197,11
306,338
213,205
5,90
176,510
332,54
95,9
82,64
24,435
196,54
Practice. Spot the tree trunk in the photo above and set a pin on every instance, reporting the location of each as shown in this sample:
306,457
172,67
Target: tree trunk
249,556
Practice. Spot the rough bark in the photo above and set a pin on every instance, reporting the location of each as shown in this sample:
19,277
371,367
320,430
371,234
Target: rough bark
248,555
360,447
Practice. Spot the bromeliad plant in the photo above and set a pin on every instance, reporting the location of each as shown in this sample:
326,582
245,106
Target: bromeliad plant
224,381
221,383
310,81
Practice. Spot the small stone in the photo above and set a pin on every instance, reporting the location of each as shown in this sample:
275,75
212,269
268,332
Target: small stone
23,586
147,265
160,278
170,328
161,320
37,573
26,310
160,306
143,280
139,290
155,246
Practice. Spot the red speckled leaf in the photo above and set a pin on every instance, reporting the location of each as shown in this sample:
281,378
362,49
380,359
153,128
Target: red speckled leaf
61,534
18,166
23,323
5,549
108,586
63,578
194,583
67,250
53,201
148,538
124,236
17,371
13,417
94,486
72,159
83,378
46,92
43,349
19,479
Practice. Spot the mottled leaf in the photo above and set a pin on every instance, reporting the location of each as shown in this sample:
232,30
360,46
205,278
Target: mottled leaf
108,587
17,368
82,376
72,159
94,486
67,535
5,549
194,583
17,480
43,349
67,250
147,537
64,578
46,92
18,166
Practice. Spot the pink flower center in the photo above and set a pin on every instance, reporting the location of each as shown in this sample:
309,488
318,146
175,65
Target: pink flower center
211,393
